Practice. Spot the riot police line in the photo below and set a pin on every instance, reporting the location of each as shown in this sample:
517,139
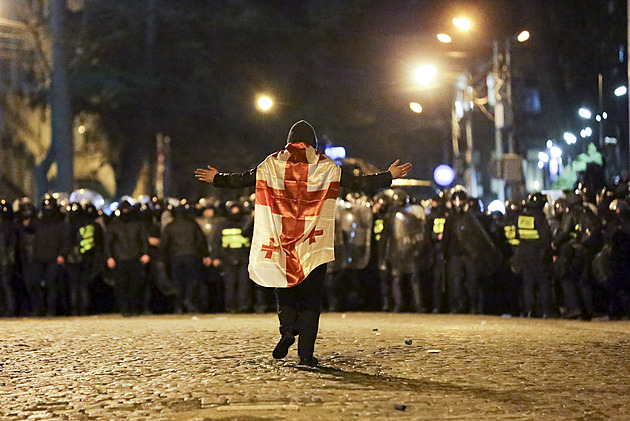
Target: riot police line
567,257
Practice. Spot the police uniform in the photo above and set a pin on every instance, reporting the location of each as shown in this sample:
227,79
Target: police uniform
8,239
578,239
235,244
534,254
184,246
84,257
42,242
127,242
436,223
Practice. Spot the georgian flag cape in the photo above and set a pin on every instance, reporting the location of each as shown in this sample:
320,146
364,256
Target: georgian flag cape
294,223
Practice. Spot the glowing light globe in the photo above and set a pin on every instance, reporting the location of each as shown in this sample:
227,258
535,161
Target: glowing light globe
443,175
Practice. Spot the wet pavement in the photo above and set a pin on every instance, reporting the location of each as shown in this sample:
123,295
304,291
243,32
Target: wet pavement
373,366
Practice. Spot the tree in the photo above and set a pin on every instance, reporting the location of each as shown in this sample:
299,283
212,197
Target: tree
569,176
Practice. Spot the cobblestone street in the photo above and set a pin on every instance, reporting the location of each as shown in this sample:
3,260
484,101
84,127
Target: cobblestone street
373,366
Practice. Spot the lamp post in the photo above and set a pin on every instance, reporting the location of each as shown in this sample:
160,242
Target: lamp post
503,107
498,79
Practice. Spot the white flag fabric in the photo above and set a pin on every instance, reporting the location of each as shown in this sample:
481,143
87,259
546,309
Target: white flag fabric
294,215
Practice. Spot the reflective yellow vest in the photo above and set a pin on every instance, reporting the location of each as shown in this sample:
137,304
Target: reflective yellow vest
233,238
378,228
510,234
438,225
526,229
88,241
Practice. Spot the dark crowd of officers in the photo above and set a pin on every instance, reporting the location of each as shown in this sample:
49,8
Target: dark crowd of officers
567,257
142,258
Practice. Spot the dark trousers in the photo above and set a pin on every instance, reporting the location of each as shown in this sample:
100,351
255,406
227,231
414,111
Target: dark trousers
577,289
41,279
537,289
186,275
463,286
299,308
236,287
406,292
439,284
130,283
7,297
79,278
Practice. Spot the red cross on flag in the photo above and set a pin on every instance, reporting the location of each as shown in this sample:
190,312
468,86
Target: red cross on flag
296,191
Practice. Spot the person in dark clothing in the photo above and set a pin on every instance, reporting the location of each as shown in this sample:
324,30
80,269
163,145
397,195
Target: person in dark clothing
462,279
211,220
618,239
85,255
234,251
184,247
379,262
299,306
43,245
534,255
8,238
578,239
127,251
435,234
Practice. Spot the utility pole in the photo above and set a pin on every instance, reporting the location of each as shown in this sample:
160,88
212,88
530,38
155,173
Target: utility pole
62,142
600,94
499,117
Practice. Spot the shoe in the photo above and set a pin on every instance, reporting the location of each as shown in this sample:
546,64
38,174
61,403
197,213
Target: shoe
309,361
281,350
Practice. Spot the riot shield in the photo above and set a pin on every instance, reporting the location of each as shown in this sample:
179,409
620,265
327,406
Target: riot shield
486,256
353,229
407,237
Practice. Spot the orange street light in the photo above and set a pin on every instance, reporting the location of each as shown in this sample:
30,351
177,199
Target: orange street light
415,107
523,36
264,103
463,24
445,38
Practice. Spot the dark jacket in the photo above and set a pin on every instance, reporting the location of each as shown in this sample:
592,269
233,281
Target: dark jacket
348,180
534,237
126,240
8,239
183,237
44,240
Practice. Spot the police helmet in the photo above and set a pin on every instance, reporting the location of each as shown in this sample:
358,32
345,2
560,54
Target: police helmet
6,210
560,206
620,206
49,202
536,201
475,204
90,211
573,199
26,209
458,197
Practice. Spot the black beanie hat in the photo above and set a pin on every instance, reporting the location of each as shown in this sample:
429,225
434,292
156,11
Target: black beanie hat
302,132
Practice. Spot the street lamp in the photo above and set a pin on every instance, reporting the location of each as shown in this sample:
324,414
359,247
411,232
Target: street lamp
425,74
415,107
463,24
264,103
585,113
586,132
445,38
570,138
523,36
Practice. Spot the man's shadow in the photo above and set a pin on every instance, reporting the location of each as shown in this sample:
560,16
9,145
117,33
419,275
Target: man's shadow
392,383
